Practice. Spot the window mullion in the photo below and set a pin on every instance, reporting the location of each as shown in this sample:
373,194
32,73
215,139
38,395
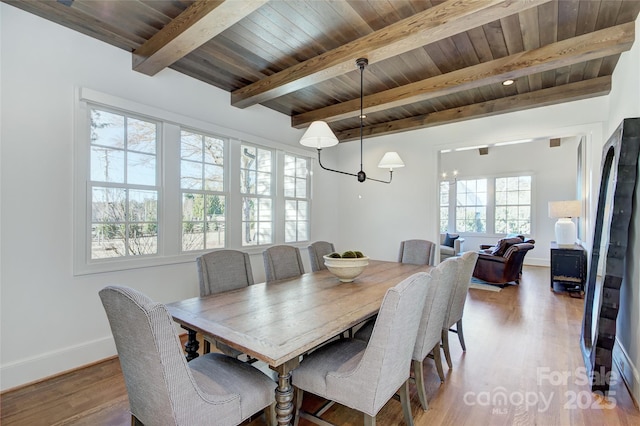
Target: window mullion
491,205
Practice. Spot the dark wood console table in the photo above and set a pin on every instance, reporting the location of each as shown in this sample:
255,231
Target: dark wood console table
568,267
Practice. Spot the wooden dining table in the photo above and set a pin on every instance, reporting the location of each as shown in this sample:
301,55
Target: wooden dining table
279,321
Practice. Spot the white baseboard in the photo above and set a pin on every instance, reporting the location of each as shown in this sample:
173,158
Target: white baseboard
627,369
28,370
536,261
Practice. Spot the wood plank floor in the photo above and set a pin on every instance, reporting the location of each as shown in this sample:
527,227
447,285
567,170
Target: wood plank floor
522,367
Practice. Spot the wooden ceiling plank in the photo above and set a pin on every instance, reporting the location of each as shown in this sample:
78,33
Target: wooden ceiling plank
436,23
198,24
599,44
554,95
76,20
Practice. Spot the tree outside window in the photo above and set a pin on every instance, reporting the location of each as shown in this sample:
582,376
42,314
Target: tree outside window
124,198
513,205
203,197
471,205
256,172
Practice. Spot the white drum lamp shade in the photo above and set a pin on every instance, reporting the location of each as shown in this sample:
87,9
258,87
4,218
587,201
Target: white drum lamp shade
565,229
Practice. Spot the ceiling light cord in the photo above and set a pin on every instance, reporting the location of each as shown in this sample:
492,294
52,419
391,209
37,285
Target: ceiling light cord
362,62
319,135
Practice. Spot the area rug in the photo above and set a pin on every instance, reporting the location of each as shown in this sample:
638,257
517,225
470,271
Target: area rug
483,285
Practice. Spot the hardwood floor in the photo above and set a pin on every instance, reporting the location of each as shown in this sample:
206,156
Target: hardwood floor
522,367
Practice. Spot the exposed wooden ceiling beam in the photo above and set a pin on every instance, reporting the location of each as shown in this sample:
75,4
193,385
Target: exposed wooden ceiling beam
585,89
198,24
436,23
598,44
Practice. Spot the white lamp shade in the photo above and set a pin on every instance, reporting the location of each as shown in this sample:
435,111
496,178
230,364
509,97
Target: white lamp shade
391,160
569,208
319,135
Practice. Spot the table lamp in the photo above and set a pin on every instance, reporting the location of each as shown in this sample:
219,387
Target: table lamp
564,211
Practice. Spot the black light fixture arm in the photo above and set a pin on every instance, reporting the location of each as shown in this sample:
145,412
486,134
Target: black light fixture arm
361,175
354,174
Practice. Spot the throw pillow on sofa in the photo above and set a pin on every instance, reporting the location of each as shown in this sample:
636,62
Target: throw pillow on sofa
449,239
504,244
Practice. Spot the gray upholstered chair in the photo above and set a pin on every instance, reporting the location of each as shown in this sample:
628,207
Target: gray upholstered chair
219,271
456,304
450,251
316,251
429,333
417,252
163,388
364,376
281,262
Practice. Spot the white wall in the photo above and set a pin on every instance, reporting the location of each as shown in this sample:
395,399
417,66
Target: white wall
376,217
625,103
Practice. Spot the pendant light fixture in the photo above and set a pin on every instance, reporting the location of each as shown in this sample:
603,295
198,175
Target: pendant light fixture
319,136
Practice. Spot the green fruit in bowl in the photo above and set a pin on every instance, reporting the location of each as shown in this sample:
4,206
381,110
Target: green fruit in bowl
359,254
334,255
349,255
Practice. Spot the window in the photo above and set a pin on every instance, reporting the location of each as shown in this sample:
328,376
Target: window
513,205
471,205
256,172
296,194
153,187
124,196
203,197
493,205
444,206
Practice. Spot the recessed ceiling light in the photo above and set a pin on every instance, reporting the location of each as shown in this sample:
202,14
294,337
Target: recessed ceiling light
507,82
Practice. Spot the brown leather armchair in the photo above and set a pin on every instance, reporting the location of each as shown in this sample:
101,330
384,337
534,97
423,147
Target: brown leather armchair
502,269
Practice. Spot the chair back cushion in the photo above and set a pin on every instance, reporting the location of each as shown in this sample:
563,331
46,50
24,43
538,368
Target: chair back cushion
417,252
150,355
282,262
467,263
316,252
223,270
436,305
386,362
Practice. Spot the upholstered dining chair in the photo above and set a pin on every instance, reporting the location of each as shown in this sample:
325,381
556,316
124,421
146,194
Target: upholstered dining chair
456,304
417,252
316,251
436,304
163,388
281,262
219,271
364,376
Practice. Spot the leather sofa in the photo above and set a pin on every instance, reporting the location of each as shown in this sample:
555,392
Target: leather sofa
503,263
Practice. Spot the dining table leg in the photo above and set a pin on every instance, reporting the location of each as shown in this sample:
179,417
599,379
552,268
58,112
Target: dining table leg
192,345
284,392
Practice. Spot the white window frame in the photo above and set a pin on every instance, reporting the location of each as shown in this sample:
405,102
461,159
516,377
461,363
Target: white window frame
271,196
224,193
169,197
297,198
491,204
